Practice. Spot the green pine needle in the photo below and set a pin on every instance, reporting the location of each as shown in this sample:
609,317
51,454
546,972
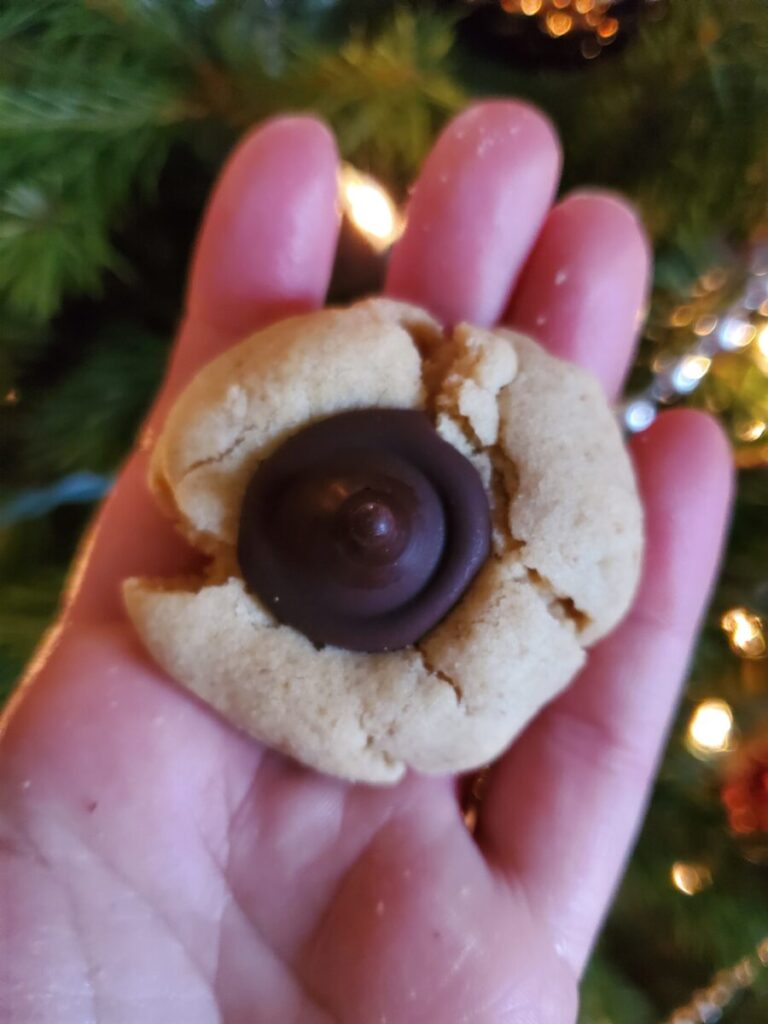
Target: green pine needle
386,96
89,421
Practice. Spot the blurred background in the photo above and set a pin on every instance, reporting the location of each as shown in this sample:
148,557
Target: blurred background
114,117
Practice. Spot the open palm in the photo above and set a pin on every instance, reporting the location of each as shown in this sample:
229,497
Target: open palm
158,867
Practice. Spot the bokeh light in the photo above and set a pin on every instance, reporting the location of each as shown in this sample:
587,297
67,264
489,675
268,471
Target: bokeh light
690,878
745,632
710,727
370,208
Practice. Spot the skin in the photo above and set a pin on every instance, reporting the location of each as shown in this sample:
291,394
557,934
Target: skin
158,866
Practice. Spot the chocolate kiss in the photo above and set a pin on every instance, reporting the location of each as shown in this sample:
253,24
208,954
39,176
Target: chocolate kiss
364,529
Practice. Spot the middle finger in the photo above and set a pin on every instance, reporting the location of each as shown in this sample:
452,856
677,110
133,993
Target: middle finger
476,210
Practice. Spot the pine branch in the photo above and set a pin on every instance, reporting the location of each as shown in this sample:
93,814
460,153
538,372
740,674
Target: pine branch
55,222
88,107
607,995
679,120
29,609
89,420
119,107
385,96
17,15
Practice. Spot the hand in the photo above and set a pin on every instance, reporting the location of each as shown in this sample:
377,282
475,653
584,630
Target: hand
158,867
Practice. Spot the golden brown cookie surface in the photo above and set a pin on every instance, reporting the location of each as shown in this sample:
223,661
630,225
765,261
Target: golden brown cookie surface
567,539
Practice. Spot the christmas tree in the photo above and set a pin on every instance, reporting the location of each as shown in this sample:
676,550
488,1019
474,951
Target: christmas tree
114,117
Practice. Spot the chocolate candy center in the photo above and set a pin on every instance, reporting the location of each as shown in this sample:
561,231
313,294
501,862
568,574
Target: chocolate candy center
368,521
363,529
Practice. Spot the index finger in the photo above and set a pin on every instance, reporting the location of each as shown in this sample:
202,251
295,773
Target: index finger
265,250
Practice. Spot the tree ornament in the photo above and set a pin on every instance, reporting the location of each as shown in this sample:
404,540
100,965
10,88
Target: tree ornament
555,32
363,530
745,790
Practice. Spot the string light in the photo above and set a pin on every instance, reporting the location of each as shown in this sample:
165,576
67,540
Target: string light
608,28
681,316
736,333
761,349
713,280
639,414
710,727
560,18
706,1005
559,23
733,331
370,208
745,632
690,878
705,325
689,372
751,430
590,48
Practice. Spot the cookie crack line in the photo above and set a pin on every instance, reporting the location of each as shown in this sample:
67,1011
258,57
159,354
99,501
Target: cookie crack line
423,335
372,744
570,610
502,497
437,673
211,460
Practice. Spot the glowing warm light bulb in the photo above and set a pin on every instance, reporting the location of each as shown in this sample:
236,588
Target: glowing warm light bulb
696,366
705,325
683,315
559,23
736,333
689,371
761,349
370,208
752,430
744,972
590,48
584,6
530,6
710,727
608,28
690,878
713,279
745,632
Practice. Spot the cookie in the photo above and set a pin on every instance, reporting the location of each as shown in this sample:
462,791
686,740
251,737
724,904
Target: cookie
548,556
